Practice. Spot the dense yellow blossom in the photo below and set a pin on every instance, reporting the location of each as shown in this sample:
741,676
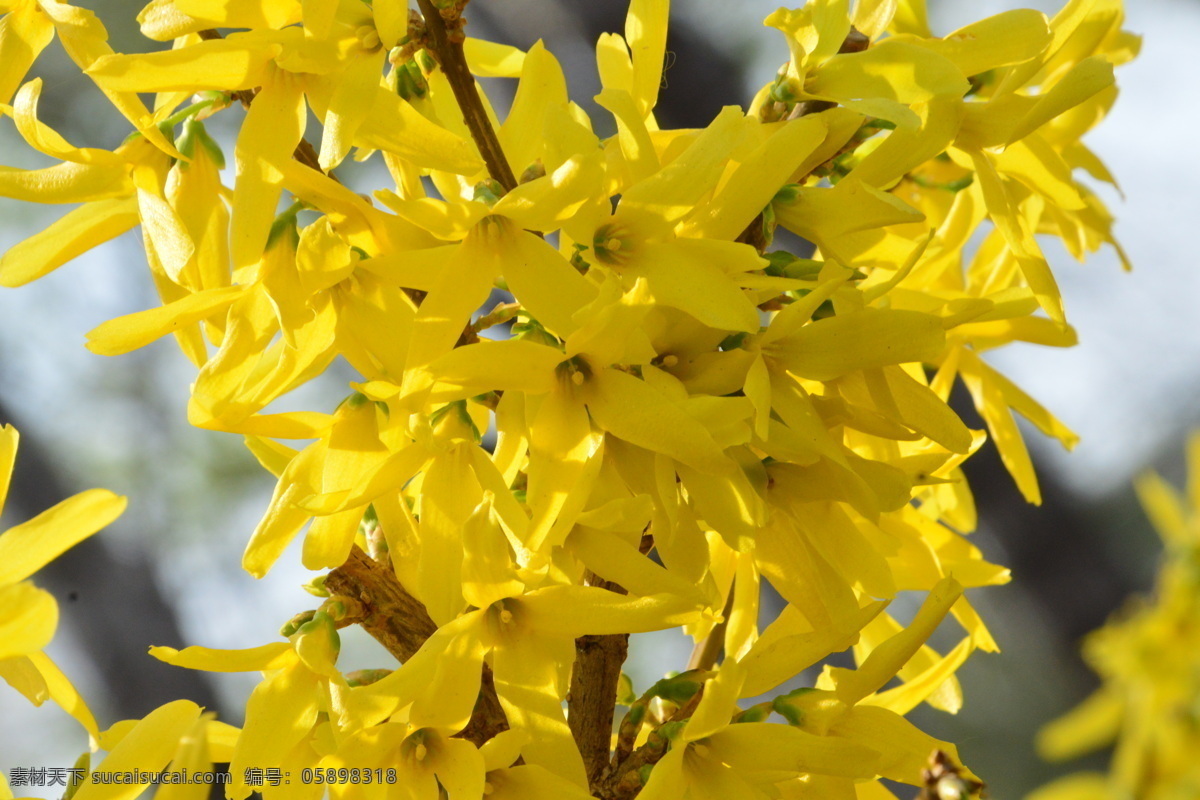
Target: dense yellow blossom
680,411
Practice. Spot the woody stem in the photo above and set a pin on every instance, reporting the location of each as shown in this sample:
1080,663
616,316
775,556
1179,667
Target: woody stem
445,39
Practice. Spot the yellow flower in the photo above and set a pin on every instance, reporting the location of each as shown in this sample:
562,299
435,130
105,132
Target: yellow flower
527,633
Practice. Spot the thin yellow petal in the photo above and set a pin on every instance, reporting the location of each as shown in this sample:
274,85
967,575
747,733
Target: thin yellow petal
123,334
830,347
144,750
256,659
238,61
24,33
273,127
64,693
28,617
631,410
887,659
26,548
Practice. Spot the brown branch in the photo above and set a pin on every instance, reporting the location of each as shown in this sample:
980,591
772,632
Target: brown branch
400,623
624,779
592,700
445,39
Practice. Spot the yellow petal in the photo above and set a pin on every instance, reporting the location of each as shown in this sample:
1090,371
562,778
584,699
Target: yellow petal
26,548
923,411
46,140
511,365
906,149
631,410
572,611
242,13
1085,80
283,519
551,201
669,194
564,455
329,539
280,712
449,494
903,699
753,746
238,61
526,671
489,59
145,750
267,657
371,704
74,234
756,179
63,692
488,571
272,129
350,104
826,216
24,33
123,334
998,41
67,182
543,281
616,560
1165,508
29,616
646,33
678,275
892,70
776,658
830,347
530,782
8,455
904,749
396,127
542,87
632,136
887,659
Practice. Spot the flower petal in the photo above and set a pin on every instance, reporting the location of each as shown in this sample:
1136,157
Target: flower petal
26,548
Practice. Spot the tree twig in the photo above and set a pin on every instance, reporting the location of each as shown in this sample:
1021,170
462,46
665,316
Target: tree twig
592,700
400,622
445,39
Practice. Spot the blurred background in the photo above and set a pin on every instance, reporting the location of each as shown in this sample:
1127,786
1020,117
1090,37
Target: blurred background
168,572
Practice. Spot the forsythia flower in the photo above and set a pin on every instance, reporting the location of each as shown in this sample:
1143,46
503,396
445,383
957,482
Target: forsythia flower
1146,657
680,409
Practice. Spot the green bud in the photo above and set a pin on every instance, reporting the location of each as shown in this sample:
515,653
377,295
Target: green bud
534,171
625,693
316,587
365,677
790,193
488,191
293,625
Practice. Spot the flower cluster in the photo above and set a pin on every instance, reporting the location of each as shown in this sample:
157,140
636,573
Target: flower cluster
681,409
1149,703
